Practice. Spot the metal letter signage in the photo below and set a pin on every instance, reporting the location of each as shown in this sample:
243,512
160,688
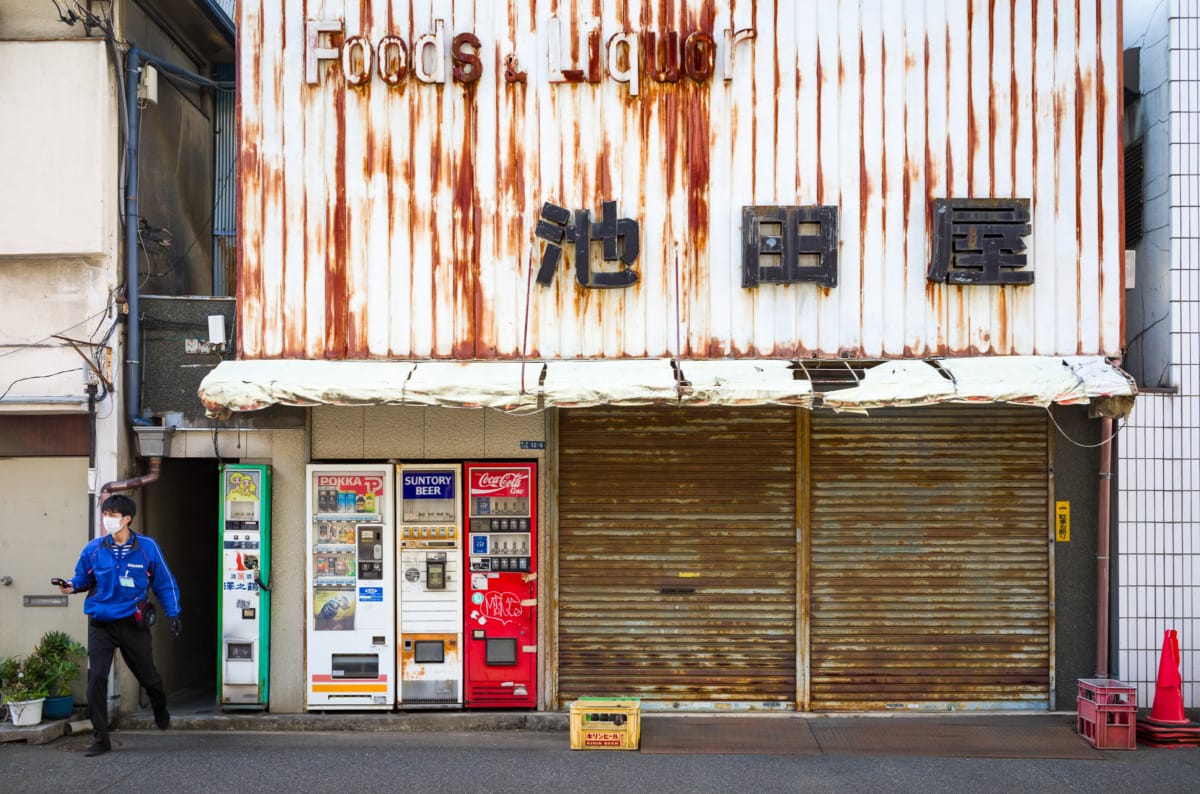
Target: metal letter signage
789,245
621,240
980,241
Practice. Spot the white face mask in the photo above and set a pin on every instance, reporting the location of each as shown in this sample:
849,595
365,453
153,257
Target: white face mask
112,524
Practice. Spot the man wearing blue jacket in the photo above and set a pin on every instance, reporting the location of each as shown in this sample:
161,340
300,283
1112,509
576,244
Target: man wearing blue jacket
117,571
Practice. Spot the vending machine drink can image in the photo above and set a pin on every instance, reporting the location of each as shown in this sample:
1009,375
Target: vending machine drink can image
500,598
430,566
351,589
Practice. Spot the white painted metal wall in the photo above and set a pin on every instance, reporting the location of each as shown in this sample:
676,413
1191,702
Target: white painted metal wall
396,221
1159,466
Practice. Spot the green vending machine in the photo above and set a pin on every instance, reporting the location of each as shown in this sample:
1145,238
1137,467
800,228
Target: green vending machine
244,613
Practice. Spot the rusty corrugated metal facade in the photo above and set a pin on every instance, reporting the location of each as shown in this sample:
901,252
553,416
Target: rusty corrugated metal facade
385,214
676,553
928,560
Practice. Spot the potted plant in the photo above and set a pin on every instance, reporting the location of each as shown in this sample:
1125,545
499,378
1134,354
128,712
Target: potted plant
23,689
59,658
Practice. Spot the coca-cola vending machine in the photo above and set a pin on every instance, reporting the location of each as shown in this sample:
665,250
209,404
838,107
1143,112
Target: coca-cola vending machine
500,604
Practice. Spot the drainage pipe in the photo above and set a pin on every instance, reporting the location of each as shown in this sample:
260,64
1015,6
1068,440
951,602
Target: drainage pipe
134,482
133,330
1102,547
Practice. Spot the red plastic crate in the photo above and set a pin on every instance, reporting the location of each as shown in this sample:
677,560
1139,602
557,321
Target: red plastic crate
1107,692
1107,713
1112,727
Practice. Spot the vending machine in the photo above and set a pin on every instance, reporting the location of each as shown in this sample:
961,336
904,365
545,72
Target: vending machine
500,604
244,611
351,588
431,588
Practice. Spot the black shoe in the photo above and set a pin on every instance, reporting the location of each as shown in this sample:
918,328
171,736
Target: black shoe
162,718
97,748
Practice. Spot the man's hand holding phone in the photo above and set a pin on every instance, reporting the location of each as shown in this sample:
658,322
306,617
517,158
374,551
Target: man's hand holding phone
64,586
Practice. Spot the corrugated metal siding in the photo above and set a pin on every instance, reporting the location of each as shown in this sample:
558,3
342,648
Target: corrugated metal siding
929,559
381,221
677,554
225,187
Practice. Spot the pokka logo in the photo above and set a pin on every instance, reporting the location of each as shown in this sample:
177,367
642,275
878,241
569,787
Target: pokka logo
371,483
509,483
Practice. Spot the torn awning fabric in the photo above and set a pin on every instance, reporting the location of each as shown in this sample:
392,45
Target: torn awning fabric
520,387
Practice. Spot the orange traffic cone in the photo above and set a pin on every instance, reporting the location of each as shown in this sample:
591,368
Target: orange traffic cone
1168,694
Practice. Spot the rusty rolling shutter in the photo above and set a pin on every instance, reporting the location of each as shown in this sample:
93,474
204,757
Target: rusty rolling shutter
677,555
929,559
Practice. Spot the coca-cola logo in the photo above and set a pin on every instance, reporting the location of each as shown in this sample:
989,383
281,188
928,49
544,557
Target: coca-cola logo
513,483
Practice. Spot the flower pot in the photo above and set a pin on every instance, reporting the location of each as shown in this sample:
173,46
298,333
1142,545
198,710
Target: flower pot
25,712
59,707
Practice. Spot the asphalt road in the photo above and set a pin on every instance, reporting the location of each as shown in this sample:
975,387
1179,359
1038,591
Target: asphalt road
519,761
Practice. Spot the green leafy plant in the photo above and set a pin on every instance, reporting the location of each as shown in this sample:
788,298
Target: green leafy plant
22,679
58,659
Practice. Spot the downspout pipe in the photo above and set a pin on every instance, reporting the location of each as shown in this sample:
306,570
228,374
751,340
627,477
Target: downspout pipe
133,343
134,482
133,334
1102,547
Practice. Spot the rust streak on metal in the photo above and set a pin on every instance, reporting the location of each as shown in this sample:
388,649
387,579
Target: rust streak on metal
1058,123
972,120
337,299
1101,114
818,158
468,299
1014,104
864,179
950,101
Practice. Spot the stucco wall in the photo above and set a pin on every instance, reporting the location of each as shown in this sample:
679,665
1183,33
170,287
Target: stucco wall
43,527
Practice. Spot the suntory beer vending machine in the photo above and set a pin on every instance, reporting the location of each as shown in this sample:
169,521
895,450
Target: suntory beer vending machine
500,604
351,594
429,576
244,611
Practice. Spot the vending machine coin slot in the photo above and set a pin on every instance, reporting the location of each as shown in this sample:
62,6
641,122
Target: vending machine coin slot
370,551
435,571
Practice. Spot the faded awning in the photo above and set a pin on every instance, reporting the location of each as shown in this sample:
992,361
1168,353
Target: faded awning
516,386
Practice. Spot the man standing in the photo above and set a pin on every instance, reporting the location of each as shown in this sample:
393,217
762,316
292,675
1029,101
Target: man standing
117,571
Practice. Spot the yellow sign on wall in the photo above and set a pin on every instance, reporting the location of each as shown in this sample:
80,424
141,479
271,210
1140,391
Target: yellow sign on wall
1062,522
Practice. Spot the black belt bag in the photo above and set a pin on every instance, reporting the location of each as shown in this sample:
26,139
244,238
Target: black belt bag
145,614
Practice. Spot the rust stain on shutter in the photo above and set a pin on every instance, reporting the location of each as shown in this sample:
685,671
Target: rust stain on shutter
677,555
929,560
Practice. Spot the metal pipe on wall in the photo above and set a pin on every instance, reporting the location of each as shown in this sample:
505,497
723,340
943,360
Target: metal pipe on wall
1102,548
133,482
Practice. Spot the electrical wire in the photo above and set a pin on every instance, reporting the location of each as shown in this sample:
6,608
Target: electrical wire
48,337
1116,430
35,377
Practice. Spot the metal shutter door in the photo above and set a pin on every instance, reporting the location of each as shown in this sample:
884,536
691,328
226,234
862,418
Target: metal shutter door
677,555
930,559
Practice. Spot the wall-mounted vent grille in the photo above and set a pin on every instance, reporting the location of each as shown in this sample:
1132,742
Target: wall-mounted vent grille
1134,176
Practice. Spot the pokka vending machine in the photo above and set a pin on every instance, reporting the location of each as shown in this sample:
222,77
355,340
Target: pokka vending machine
500,603
244,612
351,596
429,536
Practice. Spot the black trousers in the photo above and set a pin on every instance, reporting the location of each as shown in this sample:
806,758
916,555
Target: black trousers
134,642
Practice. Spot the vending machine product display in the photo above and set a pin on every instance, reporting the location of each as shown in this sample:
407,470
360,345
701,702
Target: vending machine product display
243,616
430,582
500,603
351,588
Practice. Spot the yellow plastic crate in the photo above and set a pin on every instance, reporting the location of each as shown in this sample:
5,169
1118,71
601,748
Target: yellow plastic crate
606,724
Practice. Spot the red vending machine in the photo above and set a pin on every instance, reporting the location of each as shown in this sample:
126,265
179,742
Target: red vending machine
500,603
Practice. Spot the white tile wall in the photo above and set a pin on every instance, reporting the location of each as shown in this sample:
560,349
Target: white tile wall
1159,464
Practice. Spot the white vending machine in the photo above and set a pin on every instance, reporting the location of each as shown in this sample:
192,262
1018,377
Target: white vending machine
351,588
429,572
